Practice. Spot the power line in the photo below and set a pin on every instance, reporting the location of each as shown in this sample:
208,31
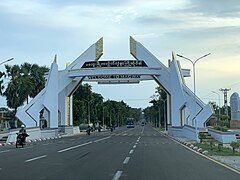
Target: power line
225,99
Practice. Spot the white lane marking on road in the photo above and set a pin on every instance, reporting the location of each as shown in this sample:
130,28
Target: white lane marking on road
102,139
46,144
117,175
138,140
131,151
4,151
71,139
33,159
134,146
73,147
136,143
126,160
124,134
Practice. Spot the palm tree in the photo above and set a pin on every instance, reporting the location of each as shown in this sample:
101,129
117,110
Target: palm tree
1,82
14,89
25,81
27,85
37,79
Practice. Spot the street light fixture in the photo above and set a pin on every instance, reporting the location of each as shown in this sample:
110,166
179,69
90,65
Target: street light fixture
194,84
218,103
6,61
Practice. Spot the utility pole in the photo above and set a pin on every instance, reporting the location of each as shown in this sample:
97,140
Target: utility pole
225,99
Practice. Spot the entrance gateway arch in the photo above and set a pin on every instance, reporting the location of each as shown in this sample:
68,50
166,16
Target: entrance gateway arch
56,98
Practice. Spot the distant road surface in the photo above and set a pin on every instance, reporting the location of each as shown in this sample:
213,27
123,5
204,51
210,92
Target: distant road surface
140,153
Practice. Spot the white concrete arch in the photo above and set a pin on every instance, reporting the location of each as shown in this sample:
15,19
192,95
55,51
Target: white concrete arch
56,97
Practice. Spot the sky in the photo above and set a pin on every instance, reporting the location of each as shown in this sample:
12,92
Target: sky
35,30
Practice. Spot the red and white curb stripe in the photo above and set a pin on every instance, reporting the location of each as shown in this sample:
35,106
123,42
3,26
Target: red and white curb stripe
31,140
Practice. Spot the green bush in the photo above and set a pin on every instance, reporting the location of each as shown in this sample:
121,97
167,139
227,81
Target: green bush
235,145
202,136
219,128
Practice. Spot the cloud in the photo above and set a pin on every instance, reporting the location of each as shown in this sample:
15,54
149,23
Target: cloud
219,8
36,30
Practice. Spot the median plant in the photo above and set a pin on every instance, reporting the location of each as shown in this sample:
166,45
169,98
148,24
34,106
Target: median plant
235,145
202,136
220,128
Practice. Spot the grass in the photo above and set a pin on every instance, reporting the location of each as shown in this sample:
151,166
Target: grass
217,151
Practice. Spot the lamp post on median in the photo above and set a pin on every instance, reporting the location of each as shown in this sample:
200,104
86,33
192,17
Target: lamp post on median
194,85
218,103
89,115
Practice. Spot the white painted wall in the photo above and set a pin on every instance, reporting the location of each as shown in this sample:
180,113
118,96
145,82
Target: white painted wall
224,137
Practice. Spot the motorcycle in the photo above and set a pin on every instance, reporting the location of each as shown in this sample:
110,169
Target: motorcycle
21,137
88,131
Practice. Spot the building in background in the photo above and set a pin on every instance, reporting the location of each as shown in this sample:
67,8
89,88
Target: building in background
235,110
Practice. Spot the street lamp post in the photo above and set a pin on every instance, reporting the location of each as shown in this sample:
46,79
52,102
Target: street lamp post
6,61
103,117
218,103
164,118
110,116
89,116
194,85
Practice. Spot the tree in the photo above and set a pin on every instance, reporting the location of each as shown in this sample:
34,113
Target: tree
1,82
152,113
37,78
14,92
82,96
110,110
24,81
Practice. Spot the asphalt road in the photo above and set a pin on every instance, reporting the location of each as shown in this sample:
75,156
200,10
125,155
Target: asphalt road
140,153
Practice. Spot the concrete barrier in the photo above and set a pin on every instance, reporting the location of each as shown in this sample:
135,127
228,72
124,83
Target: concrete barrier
185,131
224,137
49,133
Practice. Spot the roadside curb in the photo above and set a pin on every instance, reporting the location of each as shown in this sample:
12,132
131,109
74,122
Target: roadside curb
44,139
187,144
32,140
